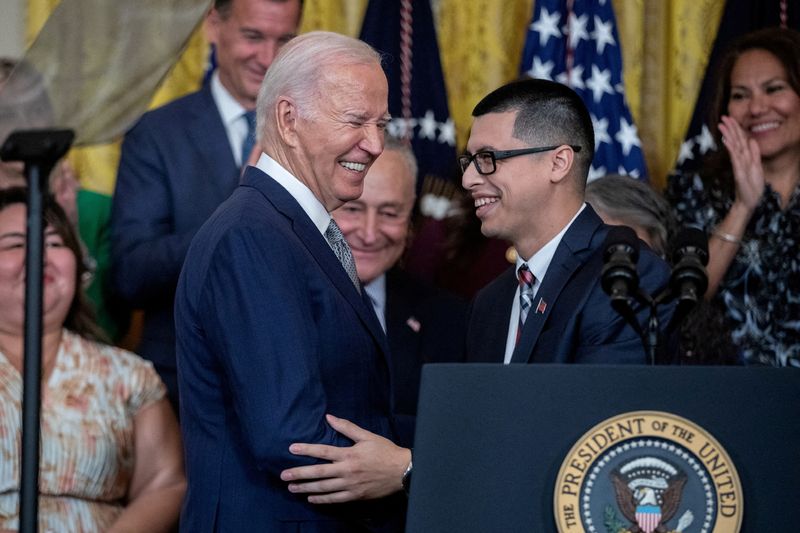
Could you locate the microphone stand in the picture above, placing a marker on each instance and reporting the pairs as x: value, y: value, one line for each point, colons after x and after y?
x: 39, y: 150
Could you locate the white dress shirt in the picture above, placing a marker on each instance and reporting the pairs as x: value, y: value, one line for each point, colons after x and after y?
x: 376, y: 290
x: 538, y: 265
x: 232, y: 114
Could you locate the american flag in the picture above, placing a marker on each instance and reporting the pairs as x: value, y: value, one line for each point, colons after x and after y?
x: 575, y: 42
x: 404, y: 30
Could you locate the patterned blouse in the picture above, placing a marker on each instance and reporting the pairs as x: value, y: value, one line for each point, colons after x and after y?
x: 760, y: 292
x: 87, y: 444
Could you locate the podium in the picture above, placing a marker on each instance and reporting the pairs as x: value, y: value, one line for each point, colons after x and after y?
x: 541, y: 448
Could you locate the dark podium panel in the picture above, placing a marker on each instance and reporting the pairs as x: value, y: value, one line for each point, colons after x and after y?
x: 490, y: 439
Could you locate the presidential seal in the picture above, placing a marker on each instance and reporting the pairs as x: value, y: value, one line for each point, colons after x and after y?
x: 646, y: 472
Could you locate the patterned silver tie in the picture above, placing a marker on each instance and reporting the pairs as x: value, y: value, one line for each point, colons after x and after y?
x: 342, y: 250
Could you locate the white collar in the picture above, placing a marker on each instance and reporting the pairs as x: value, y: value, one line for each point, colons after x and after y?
x: 229, y: 109
x: 540, y: 262
x: 299, y: 191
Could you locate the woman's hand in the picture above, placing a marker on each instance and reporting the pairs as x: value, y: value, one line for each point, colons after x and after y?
x: 748, y: 173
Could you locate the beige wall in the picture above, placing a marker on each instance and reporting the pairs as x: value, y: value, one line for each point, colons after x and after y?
x: 12, y: 27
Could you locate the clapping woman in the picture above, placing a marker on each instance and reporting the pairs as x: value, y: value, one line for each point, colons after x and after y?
x: 748, y: 196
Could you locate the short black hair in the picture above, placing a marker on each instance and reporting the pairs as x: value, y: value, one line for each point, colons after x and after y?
x: 548, y: 113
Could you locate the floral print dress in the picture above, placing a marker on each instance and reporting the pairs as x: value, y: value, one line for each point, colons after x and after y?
x: 87, y: 441
x: 760, y: 293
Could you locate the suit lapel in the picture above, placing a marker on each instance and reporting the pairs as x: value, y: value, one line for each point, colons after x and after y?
x: 400, y: 315
x: 317, y: 246
x: 572, y: 252
x: 209, y: 136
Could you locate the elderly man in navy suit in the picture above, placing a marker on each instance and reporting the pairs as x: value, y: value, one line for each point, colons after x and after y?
x: 526, y: 166
x: 180, y: 161
x: 277, y: 344
x: 423, y: 323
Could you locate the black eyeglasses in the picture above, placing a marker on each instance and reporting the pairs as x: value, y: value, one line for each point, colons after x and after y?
x: 485, y: 159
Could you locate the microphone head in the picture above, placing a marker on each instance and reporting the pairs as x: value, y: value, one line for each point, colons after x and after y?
x: 690, y: 241
x: 621, y: 238
x: 619, y: 277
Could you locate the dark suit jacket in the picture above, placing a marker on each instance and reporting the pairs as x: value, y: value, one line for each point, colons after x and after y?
x: 175, y: 169
x: 271, y: 336
x: 424, y: 325
x: 578, y: 324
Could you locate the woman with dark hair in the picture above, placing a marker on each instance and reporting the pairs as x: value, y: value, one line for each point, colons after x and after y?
x: 110, y: 446
x: 748, y: 196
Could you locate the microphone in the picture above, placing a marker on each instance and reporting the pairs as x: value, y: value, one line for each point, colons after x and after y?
x: 689, y: 280
x: 619, y: 278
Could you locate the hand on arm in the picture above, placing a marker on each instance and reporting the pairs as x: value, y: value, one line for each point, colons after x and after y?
x: 748, y: 175
x: 158, y: 483
x: 372, y: 468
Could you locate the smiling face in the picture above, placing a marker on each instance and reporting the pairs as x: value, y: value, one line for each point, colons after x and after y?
x: 248, y: 35
x: 339, y: 138
x: 59, y: 273
x: 511, y: 202
x: 376, y: 225
x: 764, y: 103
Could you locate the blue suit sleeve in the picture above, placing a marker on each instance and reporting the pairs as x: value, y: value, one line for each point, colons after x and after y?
x: 147, y: 252
x: 259, y: 315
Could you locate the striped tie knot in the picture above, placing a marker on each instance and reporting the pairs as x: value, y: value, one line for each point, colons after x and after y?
x: 526, y: 279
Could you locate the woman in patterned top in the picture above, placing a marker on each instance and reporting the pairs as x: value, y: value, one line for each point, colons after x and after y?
x: 110, y: 447
x: 748, y: 196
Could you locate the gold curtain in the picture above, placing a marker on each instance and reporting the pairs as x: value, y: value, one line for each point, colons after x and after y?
x: 665, y: 70
x: 665, y: 48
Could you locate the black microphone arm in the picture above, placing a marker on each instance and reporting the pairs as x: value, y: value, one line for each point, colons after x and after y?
x: 689, y: 279
x: 619, y: 277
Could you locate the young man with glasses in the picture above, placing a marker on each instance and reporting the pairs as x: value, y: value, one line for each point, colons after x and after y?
x: 526, y: 167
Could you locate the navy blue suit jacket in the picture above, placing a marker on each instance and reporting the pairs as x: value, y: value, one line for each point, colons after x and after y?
x: 271, y: 336
x: 424, y: 324
x: 577, y: 323
x: 175, y: 169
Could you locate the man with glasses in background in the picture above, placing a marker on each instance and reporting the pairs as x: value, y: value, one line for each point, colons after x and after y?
x: 526, y: 166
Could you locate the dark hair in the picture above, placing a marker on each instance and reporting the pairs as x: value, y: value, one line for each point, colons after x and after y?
x: 223, y: 7
x: 784, y: 44
x: 636, y: 204
x: 80, y: 317
x: 548, y: 113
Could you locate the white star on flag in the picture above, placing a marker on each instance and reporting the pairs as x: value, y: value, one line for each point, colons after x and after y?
x: 627, y: 136
x: 447, y: 132
x: 574, y: 79
x: 586, y: 56
x: 686, y: 152
x: 576, y: 29
x: 602, y: 34
x: 599, y: 83
x: 547, y: 26
x: 705, y: 141
x: 427, y: 126
x: 541, y: 70
x: 600, y: 131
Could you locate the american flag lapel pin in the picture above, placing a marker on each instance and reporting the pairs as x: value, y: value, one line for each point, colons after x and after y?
x: 541, y: 307
x: 414, y: 324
